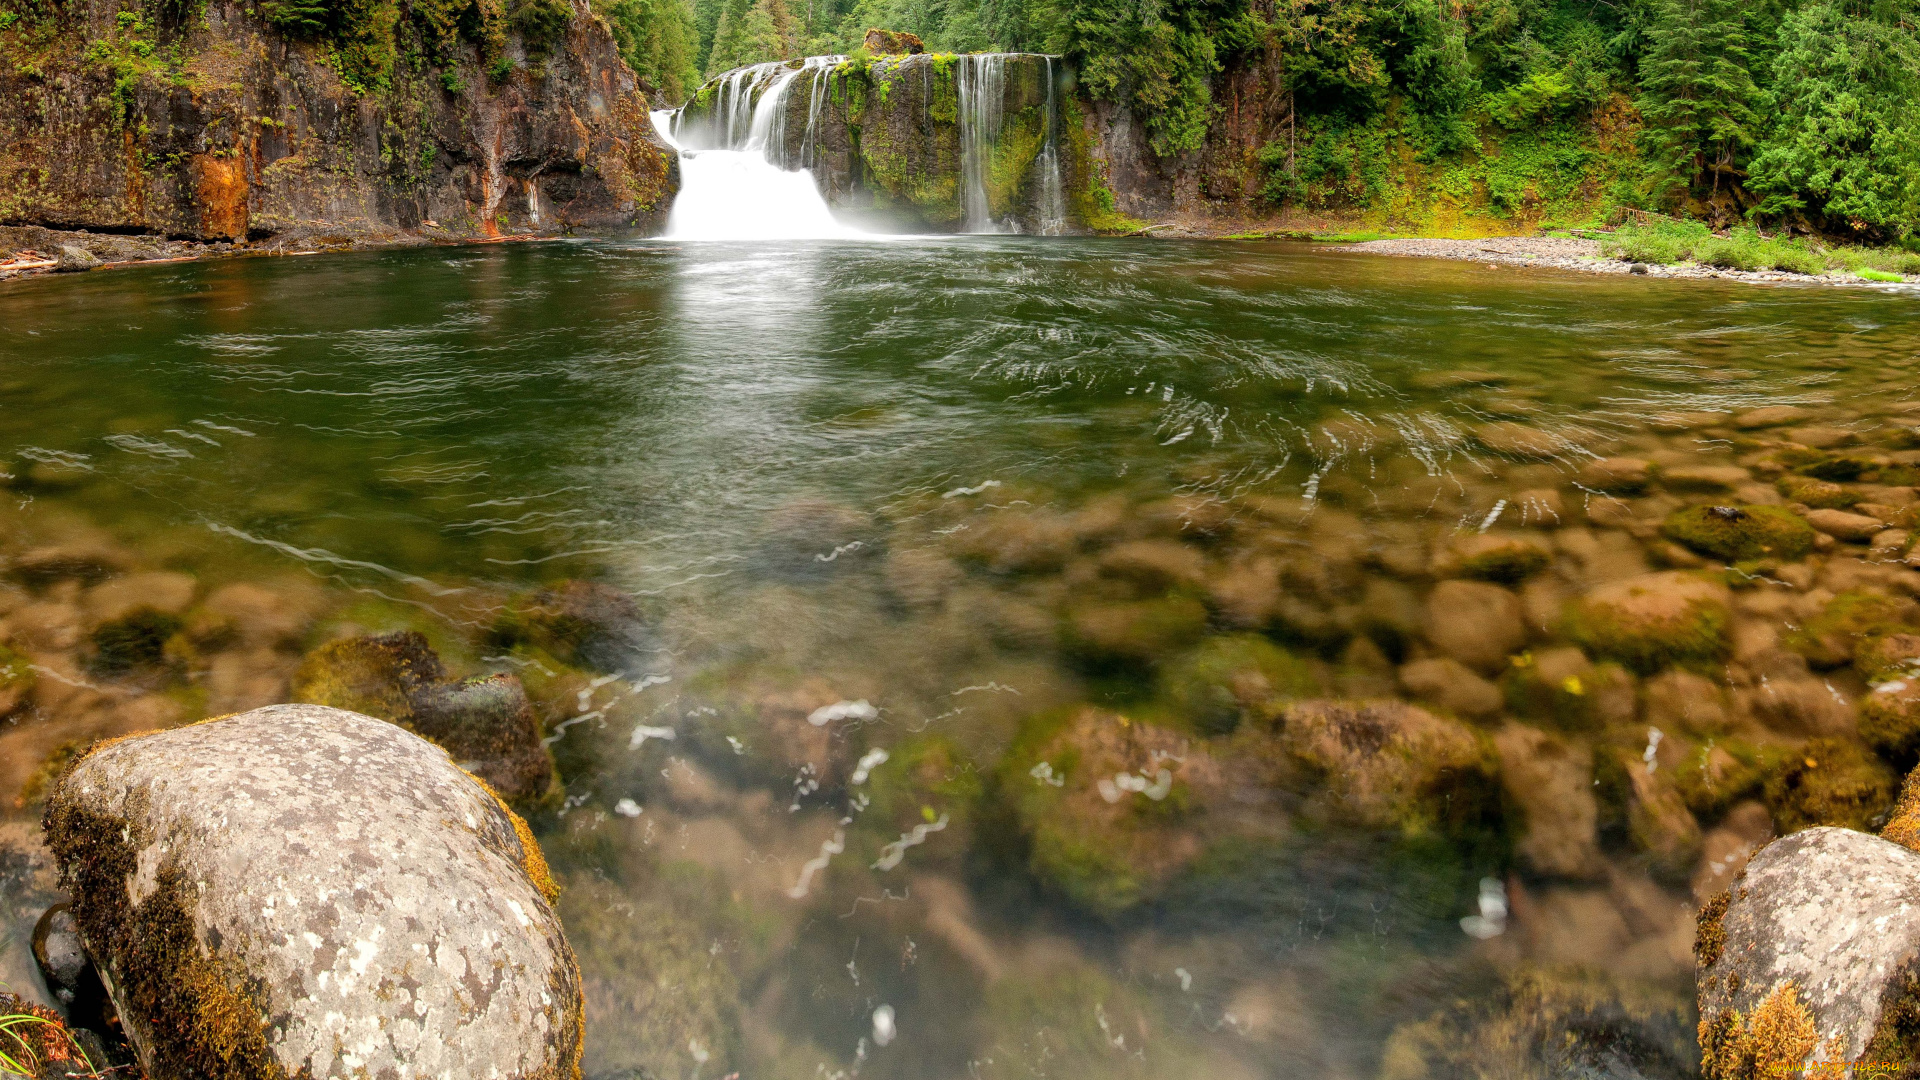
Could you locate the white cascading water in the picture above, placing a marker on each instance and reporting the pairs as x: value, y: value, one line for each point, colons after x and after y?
x: 983, y: 95
x: 736, y: 188
x: 738, y: 182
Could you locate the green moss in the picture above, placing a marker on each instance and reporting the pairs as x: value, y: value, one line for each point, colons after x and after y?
x: 1890, y: 723
x: 1505, y: 563
x: 1696, y: 639
x: 1815, y: 493
x: 1828, y: 781
x: 1213, y: 687
x: 1131, y: 635
x: 1104, y: 856
x: 34, y: 791
x: 1851, y: 621
x: 1732, y: 534
x: 196, y: 1008
x: 1567, y: 702
x: 1721, y: 772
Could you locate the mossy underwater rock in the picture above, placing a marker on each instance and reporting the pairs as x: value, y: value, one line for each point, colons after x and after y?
x: 1828, y: 781
x: 305, y: 891
x: 1740, y: 533
x: 1105, y: 802
x: 1652, y: 621
x: 1214, y: 686
x: 1788, y: 975
x: 1394, y: 767
x: 486, y: 723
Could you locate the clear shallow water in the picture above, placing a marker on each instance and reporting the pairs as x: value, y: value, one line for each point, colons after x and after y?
x: 894, y: 473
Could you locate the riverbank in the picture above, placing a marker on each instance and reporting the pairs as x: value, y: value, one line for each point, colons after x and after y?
x: 1569, y: 253
x: 30, y: 251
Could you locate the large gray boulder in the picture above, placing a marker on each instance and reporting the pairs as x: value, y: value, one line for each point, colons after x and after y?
x: 306, y: 891
x: 1812, y: 956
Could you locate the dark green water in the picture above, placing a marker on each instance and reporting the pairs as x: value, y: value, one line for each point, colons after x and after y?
x: 889, y: 473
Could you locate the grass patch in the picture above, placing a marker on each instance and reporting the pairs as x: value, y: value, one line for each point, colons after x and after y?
x: 1744, y: 248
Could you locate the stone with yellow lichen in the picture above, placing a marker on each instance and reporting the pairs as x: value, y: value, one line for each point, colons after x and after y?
x: 305, y: 891
x: 1811, y: 957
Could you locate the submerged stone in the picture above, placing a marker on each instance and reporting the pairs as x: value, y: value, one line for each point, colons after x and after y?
x: 1105, y: 802
x: 1828, y: 781
x: 1552, y: 783
x: 1815, y: 493
x: 1476, y: 623
x: 1652, y: 621
x: 1388, y: 765
x: 486, y: 722
x: 305, y: 891
x: 1790, y: 980
x: 1739, y: 533
x: 1218, y: 683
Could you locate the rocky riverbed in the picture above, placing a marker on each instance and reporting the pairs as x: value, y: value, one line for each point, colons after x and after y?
x: 1409, y: 733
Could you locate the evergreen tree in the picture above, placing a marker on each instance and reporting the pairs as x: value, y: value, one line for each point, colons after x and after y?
x: 657, y: 38
x: 1846, y: 142
x: 749, y: 32
x: 1699, y: 100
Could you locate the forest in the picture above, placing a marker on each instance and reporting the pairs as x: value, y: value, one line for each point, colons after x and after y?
x: 1795, y: 114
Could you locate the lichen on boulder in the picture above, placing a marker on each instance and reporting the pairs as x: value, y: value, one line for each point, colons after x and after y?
x: 1788, y: 975
x: 304, y: 891
x: 1739, y: 533
x: 486, y: 722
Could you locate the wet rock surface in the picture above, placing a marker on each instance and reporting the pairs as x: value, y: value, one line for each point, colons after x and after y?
x: 305, y: 891
x: 485, y: 722
x: 530, y: 148
x: 1812, y: 957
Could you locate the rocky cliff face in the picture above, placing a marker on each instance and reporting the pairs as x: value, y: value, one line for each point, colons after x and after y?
x: 211, y: 123
x: 1220, y: 182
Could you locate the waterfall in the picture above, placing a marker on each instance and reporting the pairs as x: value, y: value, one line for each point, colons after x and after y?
x: 1053, y: 199
x: 983, y: 99
x: 733, y: 181
x: 743, y: 177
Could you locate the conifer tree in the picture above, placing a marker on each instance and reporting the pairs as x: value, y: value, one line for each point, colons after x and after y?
x: 1698, y: 99
x: 1845, y: 145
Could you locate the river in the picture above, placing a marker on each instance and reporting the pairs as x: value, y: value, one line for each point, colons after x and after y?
x: 1046, y: 521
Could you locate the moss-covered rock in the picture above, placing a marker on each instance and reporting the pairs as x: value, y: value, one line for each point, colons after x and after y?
x: 1652, y: 622
x: 1387, y: 765
x: 485, y: 722
x: 1739, y: 533
x: 1719, y: 773
x: 17, y: 679
x: 1657, y: 821
x: 1542, y: 1023
x: 1903, y: 826
x: 1890, y: 720
x: 1561, y: 688
x: 1829, y: 781
x: 581, y: 623
x: 1505, y: 558
x: 1212, y: 687
x: 1131, y: 634
x: 1815, y: 493
x: 1107, y: 805
x: 1851, y: 621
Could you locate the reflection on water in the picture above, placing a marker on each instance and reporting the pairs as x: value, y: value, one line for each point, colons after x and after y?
x: 1026, y: 628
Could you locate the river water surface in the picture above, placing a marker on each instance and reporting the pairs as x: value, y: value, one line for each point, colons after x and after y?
x: 1029, y: 516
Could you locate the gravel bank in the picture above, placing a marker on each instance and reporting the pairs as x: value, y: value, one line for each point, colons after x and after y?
x: 1568, y: 254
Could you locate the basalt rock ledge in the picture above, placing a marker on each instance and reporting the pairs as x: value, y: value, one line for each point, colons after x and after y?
x: 215, y: 122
